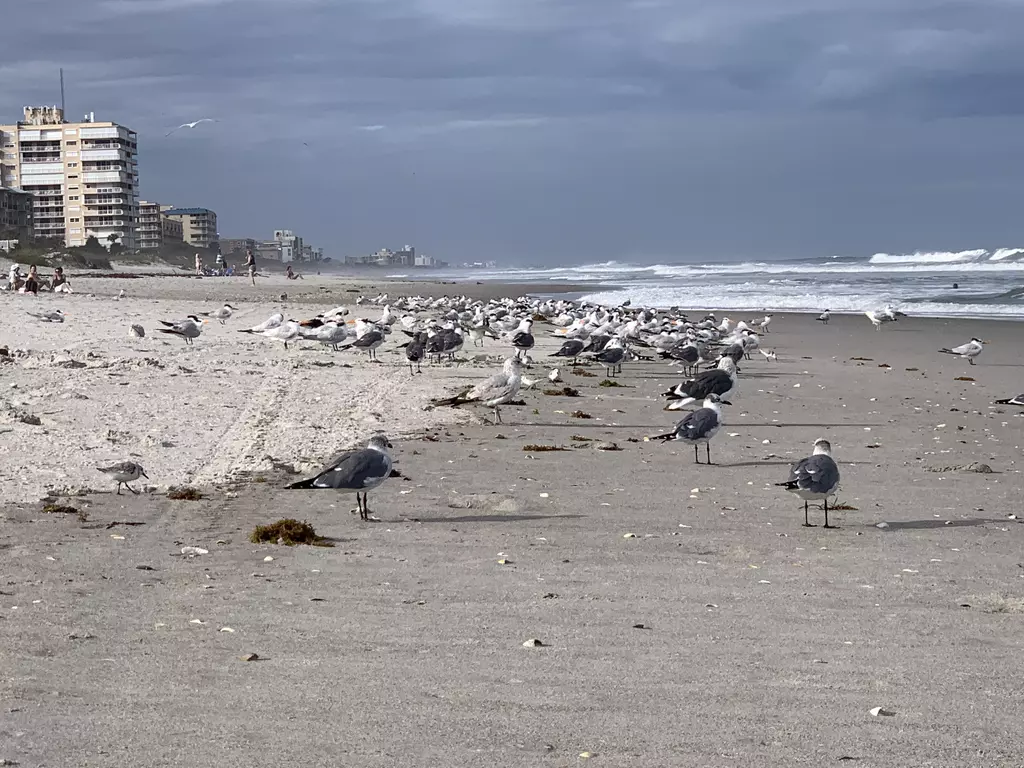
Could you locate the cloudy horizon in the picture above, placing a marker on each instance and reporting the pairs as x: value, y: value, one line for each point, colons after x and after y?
x: 556, y: 130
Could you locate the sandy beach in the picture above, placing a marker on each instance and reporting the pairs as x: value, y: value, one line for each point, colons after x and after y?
x: 686, y: 617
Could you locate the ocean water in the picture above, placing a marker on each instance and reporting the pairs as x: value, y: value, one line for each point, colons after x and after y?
x: 991, y: 283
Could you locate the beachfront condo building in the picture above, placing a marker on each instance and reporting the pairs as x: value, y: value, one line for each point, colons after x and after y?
x: 199, y: 225
x: 15, y: 215
x: 156, y: 229
x: 83, y: 176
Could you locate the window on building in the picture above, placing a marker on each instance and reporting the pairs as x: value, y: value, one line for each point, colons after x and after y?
x: 75, y: 221
x: 70, y: 143
x: 72, y: 165
x: 72, y: 197
x: 72, y: 177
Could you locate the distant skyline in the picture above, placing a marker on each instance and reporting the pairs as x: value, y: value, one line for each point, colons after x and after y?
x: 556, y: 131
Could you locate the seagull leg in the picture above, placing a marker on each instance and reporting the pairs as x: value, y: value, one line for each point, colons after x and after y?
x: 696, y: 455
x: 497, y: 415
x: 118, y: 487
x: 707, y: 445
x: 807, y: 523
x: 826, y: 516
x: 366, y: 506
x: 131, y: 489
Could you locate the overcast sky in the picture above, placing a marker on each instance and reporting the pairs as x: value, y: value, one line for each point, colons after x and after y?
x: 557, y: 130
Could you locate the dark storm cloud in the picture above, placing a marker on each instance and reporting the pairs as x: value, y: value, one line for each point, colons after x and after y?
x: 536, y: 128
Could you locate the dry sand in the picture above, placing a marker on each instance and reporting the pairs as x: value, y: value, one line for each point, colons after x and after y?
x: 763, y: 643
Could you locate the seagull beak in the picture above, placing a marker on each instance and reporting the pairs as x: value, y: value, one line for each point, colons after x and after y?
x: 725, y: 402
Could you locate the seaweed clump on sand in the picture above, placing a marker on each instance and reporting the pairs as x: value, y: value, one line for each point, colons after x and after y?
x: 535, y: 448
x: 184, y: 493
x: 584, y: 374
x: 288, y: 532
x: 563, y: 392
x: 581, y: 415
x: 609, y: 383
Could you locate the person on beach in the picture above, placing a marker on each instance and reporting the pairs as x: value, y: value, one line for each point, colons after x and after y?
x: 220, y: 264
x: 292, y: 275
x: 250, y: 264
x: 32, y: 281
x: 59, y: 284
x: 14, y: 277
x: 199, y: 265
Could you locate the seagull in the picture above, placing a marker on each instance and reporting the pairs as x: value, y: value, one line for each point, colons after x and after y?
x: 56, y: 316
x: 967, y: 351
x: 825, y: 316
x: 769, y: 355
x: 360, y: 470
x: 1018, y: 400
x: 522, y: 339
x: 414, y: 352
x: 498, y: 390
x: 814, y: 478
x: 698, y: 427
x: 124, y: 472
x: 719, y: 381
x: 191, y: 125
x: 271, y: 322
x: 611, y: 356
x: 188, y: 329
x: 221, y: 314
x: 555, y: 376
x: 764, y: 323
x: 570, y: 348
x: 287, y: 331
x: 368, y: 342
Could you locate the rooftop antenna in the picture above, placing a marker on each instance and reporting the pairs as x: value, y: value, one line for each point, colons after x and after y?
x: 62, y: 91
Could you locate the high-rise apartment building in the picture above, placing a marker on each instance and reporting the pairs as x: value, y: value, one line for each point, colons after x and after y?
x: 156, y: 228
x: 199, y: 225
x: 291, y: 244
x: 15, y: 214
x: 84, y: 176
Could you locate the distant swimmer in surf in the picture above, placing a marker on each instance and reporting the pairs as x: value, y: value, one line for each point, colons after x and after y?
x: 956, y: 285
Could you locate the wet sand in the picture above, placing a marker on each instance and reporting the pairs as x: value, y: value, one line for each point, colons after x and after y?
x: 763, y: 643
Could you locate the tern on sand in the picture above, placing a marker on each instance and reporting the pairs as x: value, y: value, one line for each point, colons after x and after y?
x: 967, y: 351
x: 187, y: 329
x: 221, y: 314
x: 1018, y: 400
x: 124, y: 472
x: 494, y: 392
x: 814, y: 478
x: 698, y: 427
x: 359, y: 471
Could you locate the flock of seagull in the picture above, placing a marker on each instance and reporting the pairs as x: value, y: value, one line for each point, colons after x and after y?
x: 709, y: 351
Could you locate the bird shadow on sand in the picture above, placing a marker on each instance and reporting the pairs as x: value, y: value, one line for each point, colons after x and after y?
x: 781, y: 463
x: 489, y: 518
x: 801, y: 424
x: 927, y: 525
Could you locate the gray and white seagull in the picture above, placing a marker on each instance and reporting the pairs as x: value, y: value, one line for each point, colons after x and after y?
x: 193, y: 124
x: 493, y: 392
x: 356, y: 471
x: 698, y: 427
x: 814, y: 478
x: 967, y: 351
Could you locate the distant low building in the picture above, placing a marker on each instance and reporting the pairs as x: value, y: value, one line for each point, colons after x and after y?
x: 269, y: 249
x: 405, y: 256
x: 199, y: 225
x: 237, y: 245
x: 15, y: 214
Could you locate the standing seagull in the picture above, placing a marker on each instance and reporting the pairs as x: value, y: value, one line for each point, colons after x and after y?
x: 498, y: 390
x: 522, y: 339
x: 814, y: 478
x: 188, y: 329
x: 570, y: 348
x: 414, y: 352
x: 124, y: 472
x: 221, y: 314
x: 361, y: 470
x: 192, y: 125
x: 719, y: 381
x: 368, y: 342
x: 699, y: 427
x: 825, y: 316
x: 967, y: 351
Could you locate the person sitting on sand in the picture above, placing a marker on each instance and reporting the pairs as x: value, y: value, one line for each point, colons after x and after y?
x: 14, y: 277
x: 32, y: 281
x: 292, y: 275
x: 59, y: 284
